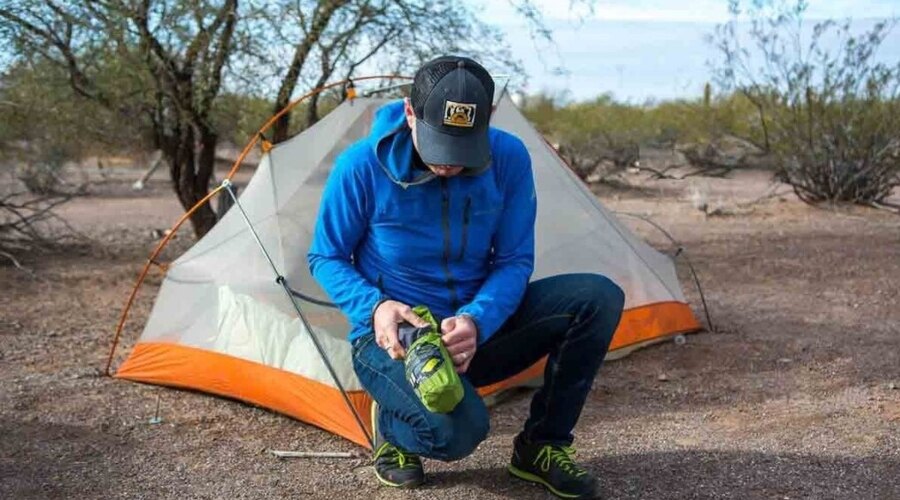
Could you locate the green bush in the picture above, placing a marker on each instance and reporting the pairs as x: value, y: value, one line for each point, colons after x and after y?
x: 604, y: 136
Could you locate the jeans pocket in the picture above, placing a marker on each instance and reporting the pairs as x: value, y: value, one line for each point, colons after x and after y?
x: 360, y: 343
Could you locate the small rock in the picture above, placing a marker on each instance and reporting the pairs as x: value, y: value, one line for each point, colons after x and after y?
x: 785, y: 360
x: 663, y: 377
x: 892, y: 386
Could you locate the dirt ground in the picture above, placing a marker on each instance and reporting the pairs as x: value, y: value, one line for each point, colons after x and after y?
x: 795, y: 395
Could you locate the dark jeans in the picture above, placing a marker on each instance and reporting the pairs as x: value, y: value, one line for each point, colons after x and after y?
x: 570, y: 317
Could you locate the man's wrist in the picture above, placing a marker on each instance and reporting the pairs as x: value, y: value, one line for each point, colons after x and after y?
x: 382, y: 300
x: 470, y: 318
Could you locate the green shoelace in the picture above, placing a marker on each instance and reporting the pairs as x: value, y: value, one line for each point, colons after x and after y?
x: 561, y: 456
x: 403, y: 459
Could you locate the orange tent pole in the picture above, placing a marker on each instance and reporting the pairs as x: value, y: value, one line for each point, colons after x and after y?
x: 234, y: 168
x: 291, y: 106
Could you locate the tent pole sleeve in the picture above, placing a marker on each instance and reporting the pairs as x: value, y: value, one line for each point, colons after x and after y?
x: 282, y: 281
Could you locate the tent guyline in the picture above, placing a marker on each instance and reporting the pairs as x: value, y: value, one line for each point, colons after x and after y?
x: 255, y: 139
x: 680, y: 250
x: 282, y: 281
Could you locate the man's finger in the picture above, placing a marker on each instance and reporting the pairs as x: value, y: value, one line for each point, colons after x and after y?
x: 462, y: 357
x: 396, y: 351
x: 392, y: 342
x: 455, y: 337
x: 412, y: 318
x: 448, y: 324
x: 460, y: 347
x: 463, y: 367
x: 383, y: 336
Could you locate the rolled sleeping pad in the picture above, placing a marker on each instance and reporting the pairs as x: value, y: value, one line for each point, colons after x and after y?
x: 429, y: 367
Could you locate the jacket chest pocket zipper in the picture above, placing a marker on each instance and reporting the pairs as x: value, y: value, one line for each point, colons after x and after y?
x: 465, y: 228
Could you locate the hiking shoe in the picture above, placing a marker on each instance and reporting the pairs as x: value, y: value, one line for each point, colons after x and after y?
x: 393, y: 466
x: 551, y: 466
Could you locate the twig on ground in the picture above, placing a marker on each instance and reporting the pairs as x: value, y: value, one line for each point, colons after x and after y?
x: 659, y: 174
x: 78, y: 234
x: 26, y: 225
x: 890, y: 207
x: 745, y: 207
x: 772, y: 192
x: 16, y: 263
x: 711, y: 171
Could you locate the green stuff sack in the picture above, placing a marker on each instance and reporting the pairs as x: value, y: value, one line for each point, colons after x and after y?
x: 429, y: 368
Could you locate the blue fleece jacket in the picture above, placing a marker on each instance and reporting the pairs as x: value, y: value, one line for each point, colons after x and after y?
x: 387, y: 229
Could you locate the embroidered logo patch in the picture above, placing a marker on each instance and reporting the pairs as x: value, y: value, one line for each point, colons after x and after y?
x: 459, y: 114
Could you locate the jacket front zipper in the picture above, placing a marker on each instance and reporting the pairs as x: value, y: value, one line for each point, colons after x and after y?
x: 465, y: 228
x: 445, y: 224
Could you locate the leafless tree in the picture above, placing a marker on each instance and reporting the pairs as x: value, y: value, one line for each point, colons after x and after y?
x: 176, y: 52
x: 600, y: 157
x: 336, y: 37
x: 28, y: 223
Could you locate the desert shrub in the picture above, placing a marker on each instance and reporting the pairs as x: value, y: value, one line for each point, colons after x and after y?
x: 44, y: 125
x: 596, y: 138
x: 41, y: 172
x: 831, y: 117
x: 600, y: 138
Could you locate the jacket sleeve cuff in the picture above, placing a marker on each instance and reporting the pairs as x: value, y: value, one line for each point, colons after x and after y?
x: 476, y: 318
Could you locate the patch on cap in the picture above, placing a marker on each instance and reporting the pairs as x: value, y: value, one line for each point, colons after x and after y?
x: 459, y: 114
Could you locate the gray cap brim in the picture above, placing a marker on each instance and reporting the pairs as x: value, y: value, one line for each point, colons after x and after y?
x: 472, y: 150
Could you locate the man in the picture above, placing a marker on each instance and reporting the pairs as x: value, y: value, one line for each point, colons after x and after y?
x: 437, y: 208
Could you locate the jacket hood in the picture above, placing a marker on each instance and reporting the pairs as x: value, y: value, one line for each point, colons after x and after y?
x: 392, y: 142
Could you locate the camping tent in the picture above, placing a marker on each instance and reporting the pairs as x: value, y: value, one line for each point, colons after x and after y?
x: 221, y: 324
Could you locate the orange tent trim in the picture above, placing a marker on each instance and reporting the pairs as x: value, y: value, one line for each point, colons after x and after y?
x: 322, y: 405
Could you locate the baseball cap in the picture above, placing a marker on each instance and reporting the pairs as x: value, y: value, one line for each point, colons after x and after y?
x: 452, y: 98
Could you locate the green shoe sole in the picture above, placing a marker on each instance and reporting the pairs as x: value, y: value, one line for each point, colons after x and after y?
x: 527, y: 476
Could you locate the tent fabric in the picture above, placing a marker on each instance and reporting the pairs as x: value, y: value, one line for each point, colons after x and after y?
x: 221, y: 324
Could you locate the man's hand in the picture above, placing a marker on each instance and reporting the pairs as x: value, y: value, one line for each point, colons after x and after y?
x: 388, y: 315
x: 460, y: 336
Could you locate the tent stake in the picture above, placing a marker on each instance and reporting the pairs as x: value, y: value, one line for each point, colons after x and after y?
x: 281, y: 280
x: 313, y: 454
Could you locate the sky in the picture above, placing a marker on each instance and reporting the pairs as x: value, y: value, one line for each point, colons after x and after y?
x: 644, y: 49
